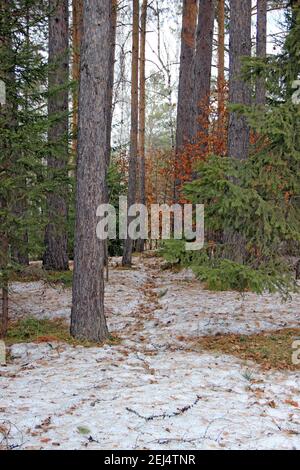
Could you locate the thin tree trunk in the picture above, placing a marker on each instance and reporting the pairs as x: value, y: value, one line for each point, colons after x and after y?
x: 19, y: 247
x: 221, y: 64
x: 239, y: 90
x: 128, y: 244
x: 56, y: 249
x: 7, y: 114
x: 201, y: 76
x: 87, y: 318
x: 3, y: 267
x: 142, y: 113
x: 76, y: 41
x: 188, y: 43
x: 261, y: 48
x: 110, y: 92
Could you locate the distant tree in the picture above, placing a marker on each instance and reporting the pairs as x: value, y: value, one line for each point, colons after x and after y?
x: 142, y: 113
x: 261, y: 48
x: 239, y: 90
x: 201, y: 73
x: 221, y: 63
x: 76, y: 42
x: 131, y: 199
x: 188, y: 43
x: 7, y: 119
x: 56, y: 249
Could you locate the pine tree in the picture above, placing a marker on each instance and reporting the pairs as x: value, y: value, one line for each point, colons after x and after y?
x: 133, y: 152
x: 261, y: 48
x: 87, y: 318
x: 23, y: 126
x: 201, y: 71
x: 239, y: 90
x: 56, y: 243
x: 142, y: 115
x: 188, y: 44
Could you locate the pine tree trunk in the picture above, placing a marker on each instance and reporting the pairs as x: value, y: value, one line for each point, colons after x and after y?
x: 201, y: 75
x: 19, y: 247
x: 88, y: 319
x: 142, y: 114
x: 221, y: 65
x: 261, y: 49
x: 7, y: 114
x: 188, y: 43
x: 110, y: 94
x: 56, y: 249
x: 131, y: 199
x: 76, y: 41
x: 111, y: 77
x: 239, y: 90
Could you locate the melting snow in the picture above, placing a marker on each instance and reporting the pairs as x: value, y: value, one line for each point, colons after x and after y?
x: 151, y: 391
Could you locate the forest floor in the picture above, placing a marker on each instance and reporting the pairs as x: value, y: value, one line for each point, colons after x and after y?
x: 159, y: 386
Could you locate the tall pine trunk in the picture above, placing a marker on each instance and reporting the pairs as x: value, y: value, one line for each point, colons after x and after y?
x: 110, y: 92
x: 56, y: 246
x: 131, y: 199
x: 19, y: 246
x: 142, y: 114
x: 7, y: 120
x: 221, y: 65
x: 239, y: 90
x: 261, y: 49
x: 87, y: 318
x: 201, y: 77
x: 77, y: 6
x: 188, y: 43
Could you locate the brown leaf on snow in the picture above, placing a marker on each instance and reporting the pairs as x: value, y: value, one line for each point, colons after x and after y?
x: 292, y: 403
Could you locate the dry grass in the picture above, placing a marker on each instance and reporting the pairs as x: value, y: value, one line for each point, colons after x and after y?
x: 272, y: 350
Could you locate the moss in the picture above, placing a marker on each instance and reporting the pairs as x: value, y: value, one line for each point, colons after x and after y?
x: 32, y: 330
x: 34, y: 273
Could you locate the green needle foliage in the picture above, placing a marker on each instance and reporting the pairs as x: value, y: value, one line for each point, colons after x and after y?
x: 252, y: 207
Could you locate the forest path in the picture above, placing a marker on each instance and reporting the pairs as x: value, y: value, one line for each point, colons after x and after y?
x: 153, y: 390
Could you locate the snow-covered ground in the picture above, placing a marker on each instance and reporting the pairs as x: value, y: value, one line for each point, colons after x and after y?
x: 153, y: 390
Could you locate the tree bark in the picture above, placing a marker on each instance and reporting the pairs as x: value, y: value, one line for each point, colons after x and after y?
x: 239, y: 90
x: 131, y: 199
x: 7, y: 117
x: 261, y: 49
x: 87, y: 318
x: 201, y: 76
x: 56, y: 249
x: 110, y: 92
x: 142, y: 114
x: 221, y: 64
x: 76, y: 40
x: 19, y: 247
x: 188, y: 44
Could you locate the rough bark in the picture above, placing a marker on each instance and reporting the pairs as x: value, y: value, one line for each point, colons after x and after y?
x: 87, y: 318
x: 221, y: 64
x: 142, y: 114
x: 131, y: 199
x: 201, y: 74
x: 110, y: 93
x: 188, y: 43
x: 56, y: 250
x: 77, y: 7
x: 19, y: 247
x: 261, y: 49
x: 6, y: 114
x: 113, y: 28
x: 239, y: 90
